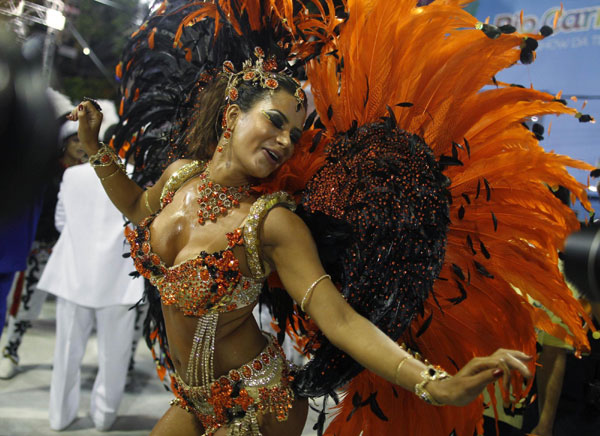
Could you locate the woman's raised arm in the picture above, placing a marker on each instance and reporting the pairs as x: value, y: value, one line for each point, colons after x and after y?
x: 132, y: 200
x: 290, y: 249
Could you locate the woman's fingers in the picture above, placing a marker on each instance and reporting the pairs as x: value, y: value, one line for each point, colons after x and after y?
x: 90, y: 119
x: 518, y: 364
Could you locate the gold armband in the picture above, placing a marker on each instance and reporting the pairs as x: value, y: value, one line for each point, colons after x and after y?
x: 311, y: 288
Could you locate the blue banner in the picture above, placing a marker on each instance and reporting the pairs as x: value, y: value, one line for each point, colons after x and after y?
x: 567, y: 61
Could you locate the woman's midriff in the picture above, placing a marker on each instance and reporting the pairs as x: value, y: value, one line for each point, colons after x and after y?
x: 238, y: 339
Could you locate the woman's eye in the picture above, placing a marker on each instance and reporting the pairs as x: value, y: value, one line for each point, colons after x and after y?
x: 274, y: 118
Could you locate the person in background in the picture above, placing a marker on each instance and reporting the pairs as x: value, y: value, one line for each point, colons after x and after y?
x: 91, y: 280
x: 27, y: 299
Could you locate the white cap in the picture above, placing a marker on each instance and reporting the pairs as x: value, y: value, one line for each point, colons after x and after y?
x: 69, y: 128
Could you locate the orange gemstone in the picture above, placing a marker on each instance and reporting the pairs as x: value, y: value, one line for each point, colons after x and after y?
x: 204, y: 275
x: 246, y: 371
x: 257, y: 365
x: 145, y: 248
x: 155, y: 259
x: 235, y: 376
x: 265, y: 358
x: 271, y: 83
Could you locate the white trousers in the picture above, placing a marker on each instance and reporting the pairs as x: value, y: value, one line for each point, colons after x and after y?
x: 74, y: 323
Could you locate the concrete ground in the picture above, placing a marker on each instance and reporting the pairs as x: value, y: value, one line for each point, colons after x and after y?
x: 24, y: 398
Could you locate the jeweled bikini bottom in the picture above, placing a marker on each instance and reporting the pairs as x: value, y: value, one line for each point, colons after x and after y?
x: 235, y: 400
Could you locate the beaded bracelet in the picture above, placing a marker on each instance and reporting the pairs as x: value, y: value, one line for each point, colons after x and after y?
x: 431, y: 373
x: 104, y: 157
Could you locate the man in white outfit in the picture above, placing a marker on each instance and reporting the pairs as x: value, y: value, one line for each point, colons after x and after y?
x: 90, y: 278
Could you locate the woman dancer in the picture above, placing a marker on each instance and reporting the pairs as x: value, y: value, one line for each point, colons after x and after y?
x: 213, y: 338
x: 244, y: 123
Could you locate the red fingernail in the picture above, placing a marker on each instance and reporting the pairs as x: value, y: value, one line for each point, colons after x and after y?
x: 80, y: 107
x: 498, y: 373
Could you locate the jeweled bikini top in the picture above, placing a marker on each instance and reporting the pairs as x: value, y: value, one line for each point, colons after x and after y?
x: 210, y: 282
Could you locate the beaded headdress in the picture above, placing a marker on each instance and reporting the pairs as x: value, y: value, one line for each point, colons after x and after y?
x: 261, y: 72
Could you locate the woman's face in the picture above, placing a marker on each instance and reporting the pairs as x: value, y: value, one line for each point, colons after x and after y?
x: 264, y: 137
x: 74, y: 149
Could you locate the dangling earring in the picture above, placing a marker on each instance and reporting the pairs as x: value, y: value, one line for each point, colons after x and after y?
x: 226, y: 137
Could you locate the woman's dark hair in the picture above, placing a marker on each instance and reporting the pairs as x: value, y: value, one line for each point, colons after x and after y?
x: 205, y: 127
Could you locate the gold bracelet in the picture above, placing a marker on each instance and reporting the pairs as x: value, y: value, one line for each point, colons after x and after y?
x: 147, y: 202
x: 118, y: 170
x: 431, y: 373
x: 402, y: 362
x: 104, y: 157
x: 311, y: 288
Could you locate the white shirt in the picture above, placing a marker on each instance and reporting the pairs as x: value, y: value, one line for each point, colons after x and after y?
x: 86, y: 266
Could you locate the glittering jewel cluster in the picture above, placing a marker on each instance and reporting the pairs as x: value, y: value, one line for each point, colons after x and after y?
x: 260, y: 72
x: 197, y: 286
x: 262, y: 385
x: 215, y: 200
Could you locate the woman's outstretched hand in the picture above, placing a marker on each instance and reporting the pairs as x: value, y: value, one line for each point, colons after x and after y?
x: 472, y: 379
x: 90, y: 119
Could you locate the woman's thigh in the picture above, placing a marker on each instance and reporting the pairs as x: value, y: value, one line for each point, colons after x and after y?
x: 177, y: 422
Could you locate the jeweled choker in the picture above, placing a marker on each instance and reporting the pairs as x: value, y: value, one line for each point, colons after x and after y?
x: 215, y: 200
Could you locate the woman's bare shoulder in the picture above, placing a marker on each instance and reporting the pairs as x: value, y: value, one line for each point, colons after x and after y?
x: 176, y: 165
x: 281, y: 225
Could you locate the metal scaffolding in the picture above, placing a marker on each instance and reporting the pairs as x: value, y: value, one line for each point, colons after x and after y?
x: 50, y: 14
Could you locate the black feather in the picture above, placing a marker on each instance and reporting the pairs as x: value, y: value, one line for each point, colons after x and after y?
x: 316, y: 140
x: 425, y: 325
x: 546, y: 31
x: 392, y: 118
x: 375, y: 407
x: 482, y: 270
x: 488, y: 191
x: 461, y: 297
x: 484, y: 251
x: 458, y: 271
x: 470, y: 244
x: 310, y: 119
